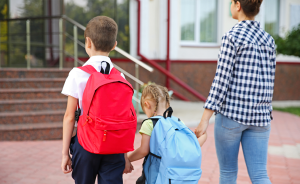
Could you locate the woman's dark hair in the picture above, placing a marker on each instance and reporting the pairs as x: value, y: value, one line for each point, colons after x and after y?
x: 250, y: 7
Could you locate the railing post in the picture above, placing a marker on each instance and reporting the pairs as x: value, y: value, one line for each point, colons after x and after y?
x: 0, y: 45
x: 75, y: 46
x: 137, y: 90
x: 28, y: 43
x: 61, y: 55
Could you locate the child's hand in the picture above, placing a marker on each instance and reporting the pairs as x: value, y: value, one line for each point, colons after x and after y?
x: 131, y: 167
x: 66, y: 164
x: 128, y: 166
x: 202, y: 139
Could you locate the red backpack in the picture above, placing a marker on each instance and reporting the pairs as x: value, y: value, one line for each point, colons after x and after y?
x: 108, y: 122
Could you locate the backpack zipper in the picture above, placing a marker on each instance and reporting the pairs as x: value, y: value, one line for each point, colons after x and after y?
x: 104, y: 136
x: 132, y: 112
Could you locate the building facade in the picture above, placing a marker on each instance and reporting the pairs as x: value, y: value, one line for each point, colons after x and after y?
x: 197, y: 26
x: 184, y: 36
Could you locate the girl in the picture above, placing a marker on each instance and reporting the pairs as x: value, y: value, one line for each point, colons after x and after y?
x: 154, y: 101
x: 241, y: 95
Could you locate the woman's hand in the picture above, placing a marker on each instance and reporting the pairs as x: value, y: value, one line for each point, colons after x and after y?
x: 201, y: 128
x: 66, y: 164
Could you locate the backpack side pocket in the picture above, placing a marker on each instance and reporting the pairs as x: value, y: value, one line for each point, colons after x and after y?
x: 151, y: 168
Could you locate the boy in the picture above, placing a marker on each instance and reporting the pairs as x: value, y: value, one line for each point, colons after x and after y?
x: 100, y: 38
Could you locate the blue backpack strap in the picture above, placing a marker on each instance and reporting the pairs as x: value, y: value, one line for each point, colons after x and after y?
x: 154, y: 121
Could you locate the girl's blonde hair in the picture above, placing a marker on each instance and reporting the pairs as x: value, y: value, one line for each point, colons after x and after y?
x: 157, y: 93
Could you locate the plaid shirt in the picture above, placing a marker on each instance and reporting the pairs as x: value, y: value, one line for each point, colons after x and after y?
x: 242, y: 89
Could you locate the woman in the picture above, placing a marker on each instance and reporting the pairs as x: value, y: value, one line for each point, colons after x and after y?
x: 241, y: 95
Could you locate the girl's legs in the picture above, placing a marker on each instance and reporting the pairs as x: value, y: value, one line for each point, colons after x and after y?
x: 228, y: 135
x: 255, y: 147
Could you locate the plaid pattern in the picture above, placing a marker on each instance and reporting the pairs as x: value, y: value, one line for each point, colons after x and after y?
x: 242, y: 89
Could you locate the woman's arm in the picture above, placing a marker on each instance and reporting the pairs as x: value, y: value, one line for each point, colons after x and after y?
x: 68, y: 126
x: 219, y: 87
x: 201, y: 128
x: 142, y: 151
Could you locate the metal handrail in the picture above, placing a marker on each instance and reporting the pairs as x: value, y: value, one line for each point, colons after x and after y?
x: 140, y: 63
x: 76, y: 42
x: 72, y: 38
x: 73, y: 22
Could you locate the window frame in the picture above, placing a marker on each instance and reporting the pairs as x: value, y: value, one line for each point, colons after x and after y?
x: 195, y: 43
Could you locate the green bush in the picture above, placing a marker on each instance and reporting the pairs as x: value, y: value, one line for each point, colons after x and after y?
x: 290, y: 45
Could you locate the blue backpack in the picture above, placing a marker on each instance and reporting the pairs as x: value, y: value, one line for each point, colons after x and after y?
x: 175, y: 153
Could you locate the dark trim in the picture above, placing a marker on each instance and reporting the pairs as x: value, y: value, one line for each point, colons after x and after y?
x: 288, y: 63
x: 169, y: 111
x: 31, y: 18
x: 154, y: 121
x: 154, y: 155
x: 168, y: 61
x: 201, y: 46
x: 50, y: 31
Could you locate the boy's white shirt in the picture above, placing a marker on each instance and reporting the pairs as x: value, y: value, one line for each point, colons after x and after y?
x: 76, y: 81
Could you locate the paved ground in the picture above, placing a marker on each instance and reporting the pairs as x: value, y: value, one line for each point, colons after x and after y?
x: 39, y: 161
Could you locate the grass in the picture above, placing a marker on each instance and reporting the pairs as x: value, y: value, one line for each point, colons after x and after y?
x: 292, y: 110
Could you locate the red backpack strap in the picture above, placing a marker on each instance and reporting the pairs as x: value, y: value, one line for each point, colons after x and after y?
x: 88, y: 69
x: 114, y: 71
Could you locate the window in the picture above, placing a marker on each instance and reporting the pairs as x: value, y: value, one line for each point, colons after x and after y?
x: 26, y: 8
x: 269, y: 16
x: 199, y: 21
x: 294, y: 16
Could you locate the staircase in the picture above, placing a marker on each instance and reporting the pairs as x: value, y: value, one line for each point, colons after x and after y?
x: 31, y: 105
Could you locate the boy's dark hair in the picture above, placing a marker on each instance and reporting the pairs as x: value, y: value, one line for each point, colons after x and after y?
x: 102, y: 31
x: 250, y: 7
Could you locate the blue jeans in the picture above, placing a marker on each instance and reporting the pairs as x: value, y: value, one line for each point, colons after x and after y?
x: 228, y: 136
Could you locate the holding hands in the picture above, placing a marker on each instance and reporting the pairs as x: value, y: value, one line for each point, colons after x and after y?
x: 128, y: 166
x: 201, y: 128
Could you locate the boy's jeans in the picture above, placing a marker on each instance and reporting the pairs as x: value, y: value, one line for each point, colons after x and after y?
x: 228, y: 136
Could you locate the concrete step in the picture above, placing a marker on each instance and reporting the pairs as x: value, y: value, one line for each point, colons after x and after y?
x: 32, y: 105
x: 31, y: 131
x: 6, y: 83
x: 10, y: 118
x: 30, y: 93
x: 34, y: 73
